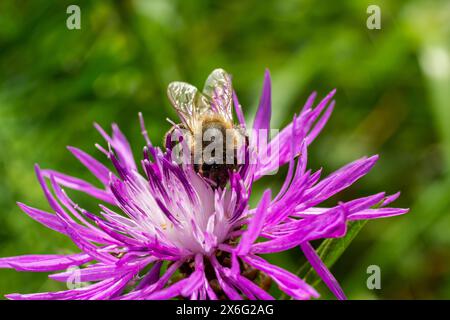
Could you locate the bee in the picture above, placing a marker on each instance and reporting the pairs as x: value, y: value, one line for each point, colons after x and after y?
x: 208, y: 128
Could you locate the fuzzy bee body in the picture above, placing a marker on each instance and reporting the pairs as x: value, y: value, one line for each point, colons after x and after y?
x: 207, y: 123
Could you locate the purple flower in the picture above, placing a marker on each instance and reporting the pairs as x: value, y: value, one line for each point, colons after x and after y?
x: 164, y: 231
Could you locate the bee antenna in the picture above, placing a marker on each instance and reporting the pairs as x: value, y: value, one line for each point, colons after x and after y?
x: 172, y: 123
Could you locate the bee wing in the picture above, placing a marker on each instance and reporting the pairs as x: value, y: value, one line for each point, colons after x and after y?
x: 188, y: 102
x: 218, y: 89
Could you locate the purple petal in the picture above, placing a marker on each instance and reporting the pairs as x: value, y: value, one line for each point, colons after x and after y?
x: 286, y: 236
x: 80, y: 185
x: 49, y: 220
x: 145, y: 292
x: 229, y: 290
x: 263, y: 114
x: 390, y: 199
x: 238, y: 109
x: 185, y: 287
x: 114, y: 289
x: 98, y: 169
x: 255, y: 290
x: 337, y: 181
x: 101, y: 290
x: 92, y: 273
x: 320, y: 124
x: 255, y: 225
x: 53, y: 222
x: 44, y: 263
x: 377, y: 213
x: 322, y: 270
x: 287, y: 282
x: 151, y: 277
x: 303, y: 125
x: 120, y: 145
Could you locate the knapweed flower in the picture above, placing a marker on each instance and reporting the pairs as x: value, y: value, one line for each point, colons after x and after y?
x: 166, y: 230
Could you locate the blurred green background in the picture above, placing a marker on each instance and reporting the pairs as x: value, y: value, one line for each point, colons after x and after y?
x: 393, y: 99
